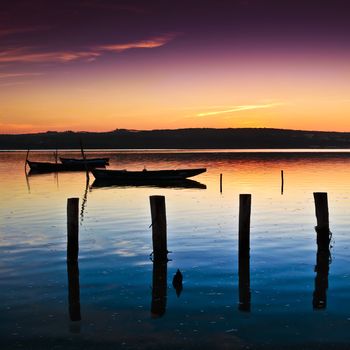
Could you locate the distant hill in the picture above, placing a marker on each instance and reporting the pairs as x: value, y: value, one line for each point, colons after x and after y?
x: 179, y: 138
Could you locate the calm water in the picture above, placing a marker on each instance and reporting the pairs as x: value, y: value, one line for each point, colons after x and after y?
x: 115, y: 271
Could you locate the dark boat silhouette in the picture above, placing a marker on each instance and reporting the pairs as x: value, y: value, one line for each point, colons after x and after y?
x: 46, y: 167
x: 89, y: 161
x: 146, y: 175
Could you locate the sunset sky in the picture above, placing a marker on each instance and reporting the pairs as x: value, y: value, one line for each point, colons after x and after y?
x: 98, y: 65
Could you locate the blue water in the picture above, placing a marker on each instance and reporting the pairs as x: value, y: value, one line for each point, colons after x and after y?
x: 115, y: 270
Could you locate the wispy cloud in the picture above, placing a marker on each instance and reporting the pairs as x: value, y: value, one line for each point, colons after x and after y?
x: 19, y: 75
x: 150, y: 43
x: 13, y: 83
x: 234, y: 109
x: 27, y: 56
x: 32, y: 55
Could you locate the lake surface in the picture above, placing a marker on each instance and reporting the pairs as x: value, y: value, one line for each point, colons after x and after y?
x: 116, y: 273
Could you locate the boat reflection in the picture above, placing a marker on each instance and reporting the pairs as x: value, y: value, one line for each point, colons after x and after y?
x: 149, y: 183
x: 73, y: 291
x: 159, y: 288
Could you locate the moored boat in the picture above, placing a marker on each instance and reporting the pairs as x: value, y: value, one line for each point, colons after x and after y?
x: 149, y: 175
x: 46, y: 167
x: 88, y: 161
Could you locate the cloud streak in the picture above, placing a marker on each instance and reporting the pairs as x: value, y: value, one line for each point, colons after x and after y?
x: 25, y: 55
x: 18, y: 75
x: 239, y: 109
x: 150, y: 43
x: 30, y: 55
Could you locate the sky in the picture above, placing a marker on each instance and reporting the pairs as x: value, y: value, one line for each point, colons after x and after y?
x: 100, y: 65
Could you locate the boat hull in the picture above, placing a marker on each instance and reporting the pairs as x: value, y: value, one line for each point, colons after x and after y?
x: 90, y: 161
x: 46, y: 167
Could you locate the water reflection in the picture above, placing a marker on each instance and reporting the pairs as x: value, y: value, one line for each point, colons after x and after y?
x: 84, y: 201
x: 200, y: 230
x: 149, y: 183
x: 27, y: 180
x: 323, y: 260
x: 177, y: 282
x: 73, y: 291
x: 159, y: 288
x: 244, y: 282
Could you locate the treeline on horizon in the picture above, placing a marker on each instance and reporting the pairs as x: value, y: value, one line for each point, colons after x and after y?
x: 245, y: 138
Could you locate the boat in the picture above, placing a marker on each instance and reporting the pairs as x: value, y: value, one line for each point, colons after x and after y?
x: 146, y: 175
x: 46, y: 167
x: 90, y: 161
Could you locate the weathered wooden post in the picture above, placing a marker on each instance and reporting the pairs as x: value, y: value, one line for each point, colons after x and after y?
x: 282, y: 181
x: 243, y: 251
x: 73, y: 291
x: 72, y: 229
x: 220, y: 183
x: 26, y: 161
x: 159, y: 288
x: 244, y: 224
x: 159, y: 229
x: 322, y: 216
x: 319, y: 300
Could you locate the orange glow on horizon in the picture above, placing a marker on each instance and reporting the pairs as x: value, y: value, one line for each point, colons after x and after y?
x: 175, y: 95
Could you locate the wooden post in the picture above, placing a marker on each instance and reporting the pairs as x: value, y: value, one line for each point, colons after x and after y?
x: 220, y: 183
x: 322, y: 216
x: 72, y: 229
x: 282, y: 181
x: 25, y: 164
x: 159, y: 229
x: 243, y: 253
x: 73, y: 291
x: 321, y: 207
x: 244, y: 223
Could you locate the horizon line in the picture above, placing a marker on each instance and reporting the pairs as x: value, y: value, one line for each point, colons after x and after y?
x: 165, y: 129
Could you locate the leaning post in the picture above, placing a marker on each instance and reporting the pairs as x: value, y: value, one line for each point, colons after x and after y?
x: 72, y: 229
x: 322, y: 216
x: 244, y: 223
x: 243, y: 251
x: 159, y: 229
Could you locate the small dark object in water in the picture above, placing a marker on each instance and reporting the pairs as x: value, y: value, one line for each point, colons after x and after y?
x: 177, y: 282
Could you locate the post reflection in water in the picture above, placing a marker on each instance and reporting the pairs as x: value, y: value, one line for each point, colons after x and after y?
x: 244, y: 283
x: 159, y: 288
x: 84, y: 201
x: 323, y: 260
x: 73, y: 291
